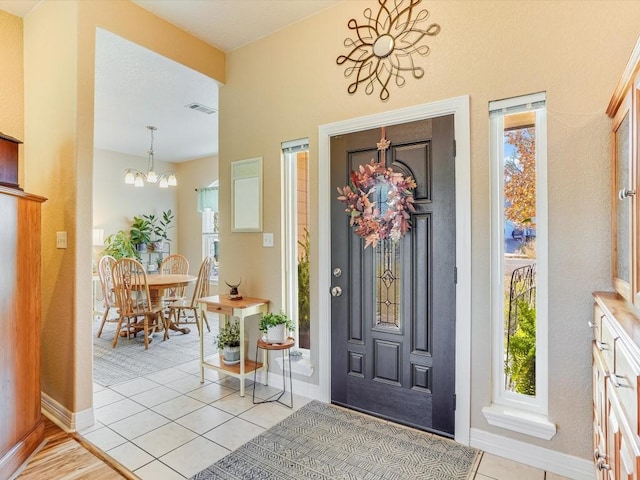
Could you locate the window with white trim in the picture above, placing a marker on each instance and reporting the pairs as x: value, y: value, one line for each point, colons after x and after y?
x: 208, y: 207
x: 518, y: 153
x: 296, y: 235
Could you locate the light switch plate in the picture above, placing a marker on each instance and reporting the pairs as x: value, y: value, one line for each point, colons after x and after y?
x: 61, y: 239
x: 267, y: 239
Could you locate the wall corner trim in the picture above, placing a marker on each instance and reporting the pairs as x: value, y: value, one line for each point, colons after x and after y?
x: 65, y: 419
x: 539, y: 457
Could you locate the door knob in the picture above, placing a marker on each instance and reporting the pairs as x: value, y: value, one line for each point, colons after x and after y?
x: 336, y: 291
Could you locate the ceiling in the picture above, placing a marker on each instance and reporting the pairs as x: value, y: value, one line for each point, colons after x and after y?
x: 136, y: 87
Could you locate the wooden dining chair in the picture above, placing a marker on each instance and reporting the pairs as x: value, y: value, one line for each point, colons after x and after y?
x: 105, y: 268
x: 186, y: 311
x: 177, y: 264
x: 134, y: 301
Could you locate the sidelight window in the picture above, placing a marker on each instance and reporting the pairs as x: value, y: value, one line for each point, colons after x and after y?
x: 519, y: 265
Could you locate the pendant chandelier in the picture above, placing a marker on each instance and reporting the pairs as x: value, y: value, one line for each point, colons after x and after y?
x: 137, y: 178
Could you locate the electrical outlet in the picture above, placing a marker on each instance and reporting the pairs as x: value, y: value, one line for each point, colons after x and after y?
x: 61, y: 239
x: 267, y: 239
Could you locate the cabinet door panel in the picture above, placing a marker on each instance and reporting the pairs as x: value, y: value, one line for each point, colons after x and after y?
x: 623, y: 206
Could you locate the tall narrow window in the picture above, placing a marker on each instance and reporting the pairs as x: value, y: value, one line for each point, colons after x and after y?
x: 208, y: 207
x: 519, y: 264
x: 297, y: 240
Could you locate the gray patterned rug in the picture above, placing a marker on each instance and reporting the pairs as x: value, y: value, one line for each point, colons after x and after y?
x: 321, y: 441
x: 130, y: 360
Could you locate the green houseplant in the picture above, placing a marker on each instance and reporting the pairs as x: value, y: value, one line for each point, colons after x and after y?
x: 140, y: 233
x: 228, y: 340
x: 276, y: 326
x: 119, y: 245
x: 160, y: 228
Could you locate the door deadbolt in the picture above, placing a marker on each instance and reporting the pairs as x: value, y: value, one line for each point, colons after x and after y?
x: 336, y: 291
x: 337, y: 272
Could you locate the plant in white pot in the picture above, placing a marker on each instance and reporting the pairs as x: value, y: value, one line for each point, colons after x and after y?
x: 228, y: 340
x: 276, y: 326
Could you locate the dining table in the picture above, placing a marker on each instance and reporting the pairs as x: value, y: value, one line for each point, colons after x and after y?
x: 159, y: 282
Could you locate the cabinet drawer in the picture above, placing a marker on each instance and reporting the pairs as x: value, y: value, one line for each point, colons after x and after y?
x: 220, y: 309
x: 624, y: 378
x: 607, y: 342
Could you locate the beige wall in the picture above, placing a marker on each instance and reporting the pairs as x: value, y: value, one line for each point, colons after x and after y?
x: 489, y: 50
x: 191, y: 175
x: 59, y: 56
x: 12, y: 82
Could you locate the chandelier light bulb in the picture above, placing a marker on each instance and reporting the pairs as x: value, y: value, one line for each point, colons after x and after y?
x: 152, y: 177
x: 173, y: 181
x: 129, y: 178
x: 163, y: 183
x: 139, y: 182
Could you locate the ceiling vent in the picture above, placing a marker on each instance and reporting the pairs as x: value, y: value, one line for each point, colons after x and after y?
x: 201, y: 108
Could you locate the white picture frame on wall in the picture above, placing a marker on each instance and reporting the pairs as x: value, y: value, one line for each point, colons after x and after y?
x: 246, y: 195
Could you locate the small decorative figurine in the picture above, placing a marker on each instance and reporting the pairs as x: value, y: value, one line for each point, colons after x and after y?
x: 233, y: 293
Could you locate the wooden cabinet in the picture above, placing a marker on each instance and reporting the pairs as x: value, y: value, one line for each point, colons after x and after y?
x: 616, y: 378
x: 624, y: 109
x: 21, y: 425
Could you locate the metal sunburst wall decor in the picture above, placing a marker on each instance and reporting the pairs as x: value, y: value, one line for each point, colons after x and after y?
x: 384, y: 46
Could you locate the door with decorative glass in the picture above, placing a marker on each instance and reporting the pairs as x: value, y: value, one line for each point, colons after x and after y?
x: 393, y: 303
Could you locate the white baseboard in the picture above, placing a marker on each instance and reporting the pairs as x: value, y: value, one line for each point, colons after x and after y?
x: 543, y: 458
x: 65, y: 419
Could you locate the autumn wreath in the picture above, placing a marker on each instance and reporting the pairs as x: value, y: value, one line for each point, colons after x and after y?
x: 379, y: 202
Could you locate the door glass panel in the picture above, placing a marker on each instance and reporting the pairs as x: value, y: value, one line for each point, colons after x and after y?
x: 387, y: 271
x: 623, y: 208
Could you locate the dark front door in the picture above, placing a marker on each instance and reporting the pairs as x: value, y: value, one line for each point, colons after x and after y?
x: 393, y: 324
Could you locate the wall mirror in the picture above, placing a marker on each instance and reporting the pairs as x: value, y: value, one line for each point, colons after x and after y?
x: 246, y: 195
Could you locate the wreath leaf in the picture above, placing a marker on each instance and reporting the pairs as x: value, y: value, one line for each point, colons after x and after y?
x: 365, y: 213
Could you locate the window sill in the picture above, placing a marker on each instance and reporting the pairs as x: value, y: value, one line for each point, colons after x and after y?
x: 301, y: 367
x: 521, y: 421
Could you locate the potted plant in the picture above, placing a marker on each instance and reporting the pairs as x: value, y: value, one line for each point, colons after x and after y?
x: 228, y: 340
x: 140, y: 233
x: 276, y: 326
x: 119, y: 245
x: 160, y: 228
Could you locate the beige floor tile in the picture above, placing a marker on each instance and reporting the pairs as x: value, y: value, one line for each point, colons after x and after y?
x: 133, y: 387
x: 204, y: 419
x: 97, y: 425
x: 210, y: 393
x: 503, y: 469
x: 234, y: 433
x: 97, y: 387
x: 115, y: 412
x: 155, y: 396
x: 194, y: 456
x: 234, y: 404
x: 130, y: 456
x: 106, y: 397
x: 178, y: 407
x: 187, y: 383
x: 138, y: 424
x: 192, y: 367
x: 104, y: 438
x: 157, y: 470
x: 479, y: 476
x: 267, y: 414
x: 165, y: 376
x: 265, y: 392
x: 164, y: 439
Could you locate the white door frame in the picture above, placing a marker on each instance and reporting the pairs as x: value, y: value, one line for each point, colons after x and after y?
x: 459, y: 107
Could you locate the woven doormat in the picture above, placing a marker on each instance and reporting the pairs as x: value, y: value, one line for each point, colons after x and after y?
x: 321, y: 441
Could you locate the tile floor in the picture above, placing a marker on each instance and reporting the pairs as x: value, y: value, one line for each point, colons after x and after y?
x: 168, y: 425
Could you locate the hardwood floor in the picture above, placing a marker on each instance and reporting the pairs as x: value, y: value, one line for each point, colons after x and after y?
x: 69, y: 457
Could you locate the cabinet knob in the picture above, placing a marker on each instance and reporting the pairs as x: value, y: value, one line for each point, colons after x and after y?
x: 602, y: 465
x: 601, y: 345
x: 626, y: 193
x: 597, y: 455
